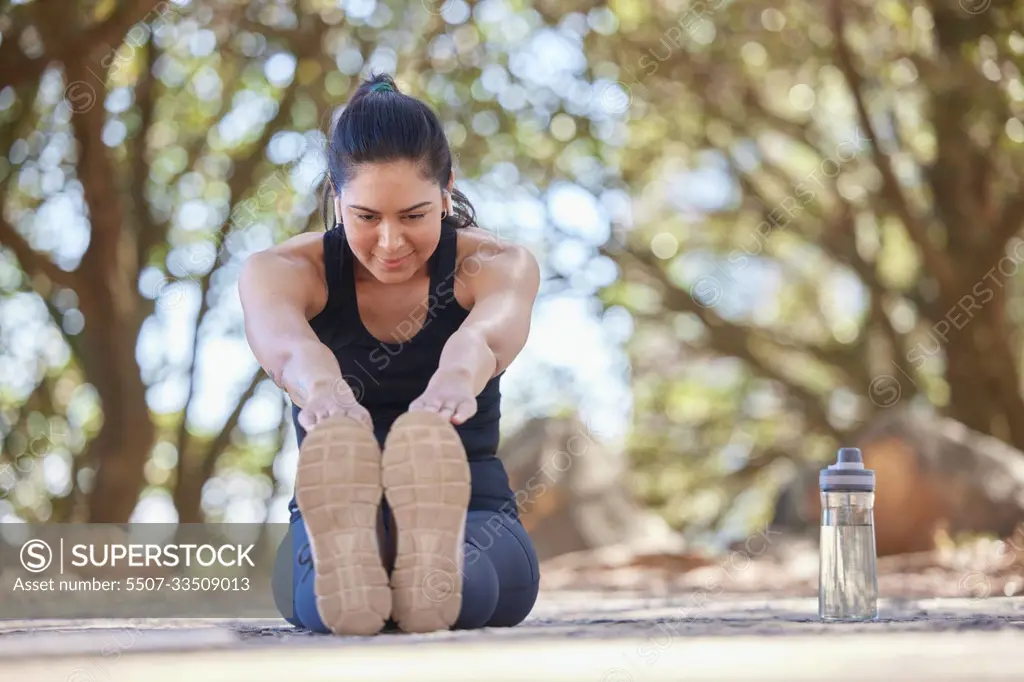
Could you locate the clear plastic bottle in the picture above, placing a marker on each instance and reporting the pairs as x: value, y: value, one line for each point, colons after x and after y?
x: 848, y: 576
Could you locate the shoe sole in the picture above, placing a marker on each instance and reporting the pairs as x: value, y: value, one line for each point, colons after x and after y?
x: 338, y: 489
x: 426, y: 481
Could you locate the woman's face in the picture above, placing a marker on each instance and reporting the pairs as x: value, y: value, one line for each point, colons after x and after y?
x: 391, y: 218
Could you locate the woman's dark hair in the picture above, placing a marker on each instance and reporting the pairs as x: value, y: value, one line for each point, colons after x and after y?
x: 381, y: 124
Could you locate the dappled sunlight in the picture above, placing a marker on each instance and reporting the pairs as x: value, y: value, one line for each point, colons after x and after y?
x: 762, y: 229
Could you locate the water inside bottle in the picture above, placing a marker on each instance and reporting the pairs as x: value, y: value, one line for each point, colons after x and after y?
x: 849, y: 580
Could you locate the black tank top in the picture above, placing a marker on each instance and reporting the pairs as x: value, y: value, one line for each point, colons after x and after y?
x: 386, y: 377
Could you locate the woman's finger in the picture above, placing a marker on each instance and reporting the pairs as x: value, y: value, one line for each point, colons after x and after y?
x: 319, y: 417
x: 446, y: 410
x: 362, y: 417
x: 464, y: 411
x: 425, y: 405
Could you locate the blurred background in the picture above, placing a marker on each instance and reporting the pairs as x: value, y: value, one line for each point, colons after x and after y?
x: 767, y: 230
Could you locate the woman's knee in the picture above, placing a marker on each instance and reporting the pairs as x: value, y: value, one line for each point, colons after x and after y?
x: 479, y: 590
x: 302, y: 611
x: 307, y: 612
x: 514, y: 606
x: 283, y: 583
x: 518, y: 574
x: 526, y: 542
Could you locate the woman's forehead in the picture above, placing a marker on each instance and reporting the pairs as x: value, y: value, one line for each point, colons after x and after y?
x: 397, y: 176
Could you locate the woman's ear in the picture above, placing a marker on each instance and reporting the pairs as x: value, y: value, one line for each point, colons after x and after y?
x: 447, y: 203
x: 337, y: 208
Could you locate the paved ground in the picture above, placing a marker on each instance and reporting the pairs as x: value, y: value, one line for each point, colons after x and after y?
x: 569, y: 636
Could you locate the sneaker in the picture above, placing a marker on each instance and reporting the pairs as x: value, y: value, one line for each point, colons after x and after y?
x: 427, y: 483
x: 338, y: 489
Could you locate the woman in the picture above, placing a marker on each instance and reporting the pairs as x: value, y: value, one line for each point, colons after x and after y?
x: 390, y: 333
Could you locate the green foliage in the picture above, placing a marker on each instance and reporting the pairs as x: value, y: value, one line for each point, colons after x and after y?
x: 813, y: 188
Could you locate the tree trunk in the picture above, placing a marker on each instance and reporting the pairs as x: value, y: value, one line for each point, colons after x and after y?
x: 110, y: 303
x: 980, y: 369
x: 120, y: 450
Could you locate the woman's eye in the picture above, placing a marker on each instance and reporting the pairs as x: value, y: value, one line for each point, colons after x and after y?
x: 366, y: 216
x: 416, y: 216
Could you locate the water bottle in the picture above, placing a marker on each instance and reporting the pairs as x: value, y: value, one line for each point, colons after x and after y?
x: 847, y: 578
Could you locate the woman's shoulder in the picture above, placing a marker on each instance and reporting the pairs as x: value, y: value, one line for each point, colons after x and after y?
x: 477, y: 247
x: 304, y: 251
x: 486, y: 262
x: 296, y: 264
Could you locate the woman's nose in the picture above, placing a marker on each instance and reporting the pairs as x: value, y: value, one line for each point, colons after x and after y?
x: 391, y: 238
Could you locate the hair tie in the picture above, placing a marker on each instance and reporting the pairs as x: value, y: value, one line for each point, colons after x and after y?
x: 382, y: 87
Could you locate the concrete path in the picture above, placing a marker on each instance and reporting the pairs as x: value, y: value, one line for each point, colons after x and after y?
x: 569, y: 636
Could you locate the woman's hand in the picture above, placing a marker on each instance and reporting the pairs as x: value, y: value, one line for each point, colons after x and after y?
x: 450, y: 394
x: 326, y: 400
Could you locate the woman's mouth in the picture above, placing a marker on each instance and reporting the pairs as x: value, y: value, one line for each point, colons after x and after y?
x: 392, y: 263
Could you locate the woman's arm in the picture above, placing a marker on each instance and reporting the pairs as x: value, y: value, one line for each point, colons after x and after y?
x: 281, y: 289
x: 503, y: 283
x: 498, y: 324
x: 276, y: 291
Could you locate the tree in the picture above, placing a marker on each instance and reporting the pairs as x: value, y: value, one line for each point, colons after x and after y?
x: 129, y: 132
x: 828, y: 206
x: 814, y: 212
x: 171, y: 141
x: 184, y: 137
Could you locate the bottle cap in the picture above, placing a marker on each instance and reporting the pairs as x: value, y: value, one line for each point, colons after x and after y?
x: 847, y: 474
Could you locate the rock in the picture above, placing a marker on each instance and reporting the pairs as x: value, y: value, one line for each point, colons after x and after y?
x: 572, y: 491
x: 935, y: 479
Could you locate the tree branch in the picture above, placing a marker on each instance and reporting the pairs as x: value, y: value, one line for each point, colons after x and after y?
x: 108, y: 293
x: 194, y: 472
x: 147, y: 232
x: 1009, y: 224
x: 840, y: 240
x: 730, y: 339
x: 230, y: 75
x: 198, y: 145
x: 221, y: 441
x: 17, y: 68
x: 74, y: 342
x: 19, y: 127
x: 32, y: 262
x: 844, y: 361
x: 937, y: 263
x: 287, y: 36
x: 239, y: 182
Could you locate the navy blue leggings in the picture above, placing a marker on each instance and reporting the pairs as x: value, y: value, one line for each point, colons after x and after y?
x: 500, y: 572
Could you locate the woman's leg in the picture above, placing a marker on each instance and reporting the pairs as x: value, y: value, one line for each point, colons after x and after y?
x: 293, y: 580
x: 297, y: 601
x: 304, y: 580
x: 501, y: 574
x: 338, y: 492
x: 480, y: 587
x: 283, y: 581
x: 518, y: 595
